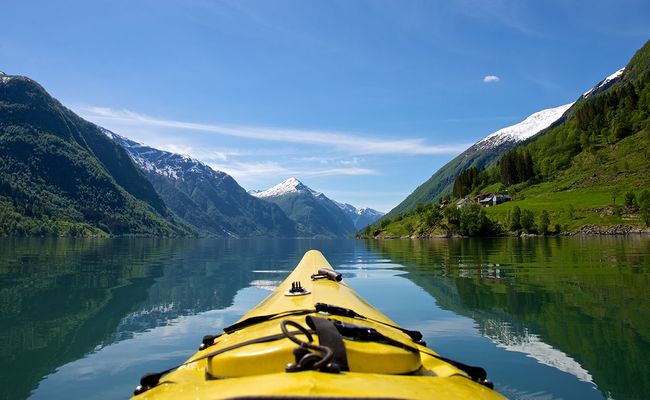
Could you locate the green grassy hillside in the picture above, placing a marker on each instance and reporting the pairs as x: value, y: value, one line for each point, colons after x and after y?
x: 592, y: 169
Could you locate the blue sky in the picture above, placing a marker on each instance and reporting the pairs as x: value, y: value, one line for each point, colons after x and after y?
x: 362, y: 100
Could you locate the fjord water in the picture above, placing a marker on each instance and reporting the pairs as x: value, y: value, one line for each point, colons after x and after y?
x: 548, y: 318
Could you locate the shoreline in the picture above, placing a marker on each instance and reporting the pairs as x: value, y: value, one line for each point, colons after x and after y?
x: 586, y: 230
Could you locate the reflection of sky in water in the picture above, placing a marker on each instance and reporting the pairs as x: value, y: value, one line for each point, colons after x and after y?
x: 546, y: 369
x: 115, y: 370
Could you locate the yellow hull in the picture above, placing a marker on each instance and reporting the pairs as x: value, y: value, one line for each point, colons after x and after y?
x: 393, y: 367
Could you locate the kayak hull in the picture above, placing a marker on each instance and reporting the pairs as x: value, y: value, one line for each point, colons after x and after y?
x: 397, y: 367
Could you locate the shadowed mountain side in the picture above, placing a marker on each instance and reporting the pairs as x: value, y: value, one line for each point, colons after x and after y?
x: 61, y: 176
x: 212, y: 201
x: 560, y: 314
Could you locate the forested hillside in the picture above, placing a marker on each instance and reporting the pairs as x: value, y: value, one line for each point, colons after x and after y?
x: 60, y: 176
x: 590, y: 173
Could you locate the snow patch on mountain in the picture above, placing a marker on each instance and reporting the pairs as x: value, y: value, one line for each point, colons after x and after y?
x: 162, y: 162
x: 606, y: 82
x: 527, y: 128
x: 350, y: 209
x: 291, y: 185
x: 4, y: 78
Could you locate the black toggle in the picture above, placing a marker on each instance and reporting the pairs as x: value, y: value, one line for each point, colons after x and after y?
x: 207, y: 341
x: 329, y: 274
x: 336, y: 310
x: 149, y: 380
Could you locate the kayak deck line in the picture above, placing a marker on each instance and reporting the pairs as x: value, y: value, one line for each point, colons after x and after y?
x: 310, y: 343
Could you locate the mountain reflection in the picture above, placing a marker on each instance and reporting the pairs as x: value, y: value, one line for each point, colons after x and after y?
x: 579, y: 305
x: 61, y: 299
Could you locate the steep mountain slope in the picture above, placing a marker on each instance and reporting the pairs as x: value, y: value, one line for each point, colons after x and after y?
x: 593, y: 169
x: 315, y: 214
x: 209, y: 200
x: 479, y: 155
x: 361, y: 217
x: 590, y: 173
x: 59, y: 175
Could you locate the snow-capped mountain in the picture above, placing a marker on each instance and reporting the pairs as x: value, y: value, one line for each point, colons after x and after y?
x: 165, y: 163
x: 209, y: 200
x: 493, y: 146
x: 4, y: 78
x: 529, y: 127
x: 315, y: 213
x: 605, y: 83
x: 291, y: 185
x: 361, y: 217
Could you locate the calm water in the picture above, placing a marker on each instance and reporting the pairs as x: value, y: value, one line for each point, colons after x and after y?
x: 548, y: 318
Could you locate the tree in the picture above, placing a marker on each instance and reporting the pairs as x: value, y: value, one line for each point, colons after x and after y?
x: 571, y: 211
x: 630, y: 200
x: 515, y: 167
x: 644, y: 207
x: 514, y: 220
x: 467, y: 181
x: 419, y: 209
x: 527, y: 220
x: 452, y: 214
x: 544, y: 222
x: 473, y: 220
x: 432, y: 217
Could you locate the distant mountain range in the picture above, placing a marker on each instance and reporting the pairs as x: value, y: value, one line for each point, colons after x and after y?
x: 361, y: 217
x: 209, y: 200
x: 315, y: 213
x: 63, y: 176
x: 489, y: 149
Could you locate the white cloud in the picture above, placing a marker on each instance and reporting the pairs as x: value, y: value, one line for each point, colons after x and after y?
x: 355, y: 144
x: 259, y: 170
x: 491, y: 79
x: 338, y: 171
x: 240, y: 170
x: 174, y: 148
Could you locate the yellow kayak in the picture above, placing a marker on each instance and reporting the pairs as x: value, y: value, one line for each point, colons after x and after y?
x: 315, y: 337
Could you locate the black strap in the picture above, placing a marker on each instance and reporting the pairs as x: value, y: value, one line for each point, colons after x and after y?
x: 263, y: 318
x: 329, y: 336
x: 416, y: 336
x: 477, y: 374
x: 367, y: 334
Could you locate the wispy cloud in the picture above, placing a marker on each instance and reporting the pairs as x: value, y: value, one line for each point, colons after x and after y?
x: 351, y: 143
x: 491, y: 79
x: 251, y: 171
x: 259, y: 170
x: 512, y: 14
x: 174, y: 148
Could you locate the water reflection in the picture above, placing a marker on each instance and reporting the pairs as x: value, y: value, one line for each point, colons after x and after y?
x: 62, y: 299
x: 578, y: 305
x: 549, y: 318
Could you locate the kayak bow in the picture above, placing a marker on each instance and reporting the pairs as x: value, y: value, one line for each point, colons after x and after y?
x: 315, y: 337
